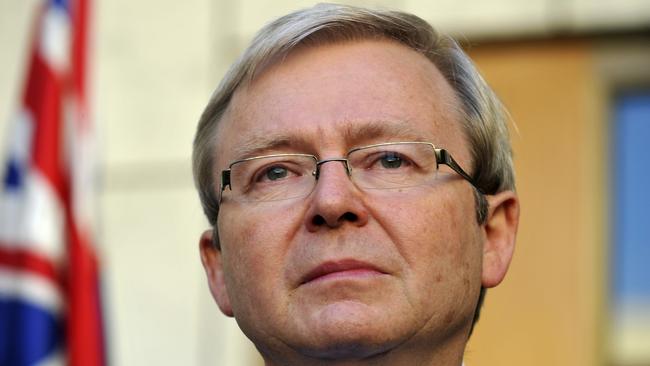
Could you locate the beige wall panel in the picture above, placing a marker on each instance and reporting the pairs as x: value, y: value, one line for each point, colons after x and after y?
x: 253, y: 14
x: 496, y: 17
x: 15, y: 31
x: 152, y: 66
x: 152, y: 275
x: 545, y: 313
x: 607, y: 14
x: 221, y: 341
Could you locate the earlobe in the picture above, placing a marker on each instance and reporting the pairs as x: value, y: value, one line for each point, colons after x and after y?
x: 500, y: 232
x: 211, y: 260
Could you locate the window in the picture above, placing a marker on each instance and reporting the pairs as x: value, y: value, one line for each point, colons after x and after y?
x: 630, y: 256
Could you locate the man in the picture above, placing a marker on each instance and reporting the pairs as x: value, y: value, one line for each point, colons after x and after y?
x: 357, y: 174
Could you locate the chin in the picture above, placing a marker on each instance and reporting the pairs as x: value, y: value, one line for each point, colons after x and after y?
x: 348, y: 350
x: 349, y: 331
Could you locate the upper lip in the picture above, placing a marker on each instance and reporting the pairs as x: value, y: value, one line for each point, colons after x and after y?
x: 337, y: 266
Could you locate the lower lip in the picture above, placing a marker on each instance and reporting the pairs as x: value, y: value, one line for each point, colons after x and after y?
x: 358, y: 273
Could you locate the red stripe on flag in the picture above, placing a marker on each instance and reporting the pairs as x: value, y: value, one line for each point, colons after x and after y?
x: 80, y: 15
x: 43, y: 99
x: 84, y: 328
x: 27, y: 261
x: 85, y: 333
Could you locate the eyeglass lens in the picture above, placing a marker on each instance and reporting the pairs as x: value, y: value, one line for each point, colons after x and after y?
x: 285, y: 176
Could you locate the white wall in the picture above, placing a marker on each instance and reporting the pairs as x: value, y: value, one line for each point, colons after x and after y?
x: 15, y: 21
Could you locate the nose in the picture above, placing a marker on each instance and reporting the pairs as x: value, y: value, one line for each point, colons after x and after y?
x: 335, y: 200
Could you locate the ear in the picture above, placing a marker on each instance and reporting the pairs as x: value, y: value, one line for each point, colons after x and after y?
x: 500, y: 231
x: 211, y: 259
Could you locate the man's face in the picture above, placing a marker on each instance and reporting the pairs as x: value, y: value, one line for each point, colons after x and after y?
x: 346, y: 271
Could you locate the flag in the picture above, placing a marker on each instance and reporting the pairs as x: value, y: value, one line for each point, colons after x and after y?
x: 50, y: 309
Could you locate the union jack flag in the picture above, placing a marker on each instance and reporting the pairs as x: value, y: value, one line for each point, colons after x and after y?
x: 50, y: 310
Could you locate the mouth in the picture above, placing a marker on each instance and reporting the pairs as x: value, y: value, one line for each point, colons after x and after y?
x: 344, y: 269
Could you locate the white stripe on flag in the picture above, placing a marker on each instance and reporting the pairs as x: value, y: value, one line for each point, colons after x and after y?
x: 33, y: 218
x: 20, y: 144
x: 55, y: 38
x: 31, y: 288
x: 81, y: 157
x: 54, y: 359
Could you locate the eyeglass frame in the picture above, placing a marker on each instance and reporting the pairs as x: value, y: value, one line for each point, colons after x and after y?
x: 442, y: 157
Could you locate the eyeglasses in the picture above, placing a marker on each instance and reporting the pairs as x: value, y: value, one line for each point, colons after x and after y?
x: 379, y: 166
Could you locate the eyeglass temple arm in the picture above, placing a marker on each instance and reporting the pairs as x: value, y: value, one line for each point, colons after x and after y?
x: 444, y: 157
x: 225, y: 179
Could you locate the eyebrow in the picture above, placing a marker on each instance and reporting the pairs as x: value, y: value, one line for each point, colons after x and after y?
x: 258, y: 144
x: 354, y: 134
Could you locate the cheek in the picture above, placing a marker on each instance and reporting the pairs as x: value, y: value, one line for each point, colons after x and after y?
x: 424, y: 224
x: 254, y: 248
x: 436, y: 233
x: 453, y: 236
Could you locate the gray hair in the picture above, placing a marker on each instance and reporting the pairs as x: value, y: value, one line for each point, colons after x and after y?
x: 484, y: 119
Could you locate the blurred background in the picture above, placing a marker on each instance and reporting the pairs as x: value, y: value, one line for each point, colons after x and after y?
x: 575, y: 75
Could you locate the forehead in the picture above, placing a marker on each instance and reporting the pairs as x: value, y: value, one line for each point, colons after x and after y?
x: 337, y: 96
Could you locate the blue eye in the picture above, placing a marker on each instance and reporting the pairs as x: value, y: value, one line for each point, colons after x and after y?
x: 275, y: 173
x: 391, y: 160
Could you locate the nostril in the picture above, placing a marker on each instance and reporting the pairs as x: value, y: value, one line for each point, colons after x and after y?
x: 349, y: 216
x: 318, y: 220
